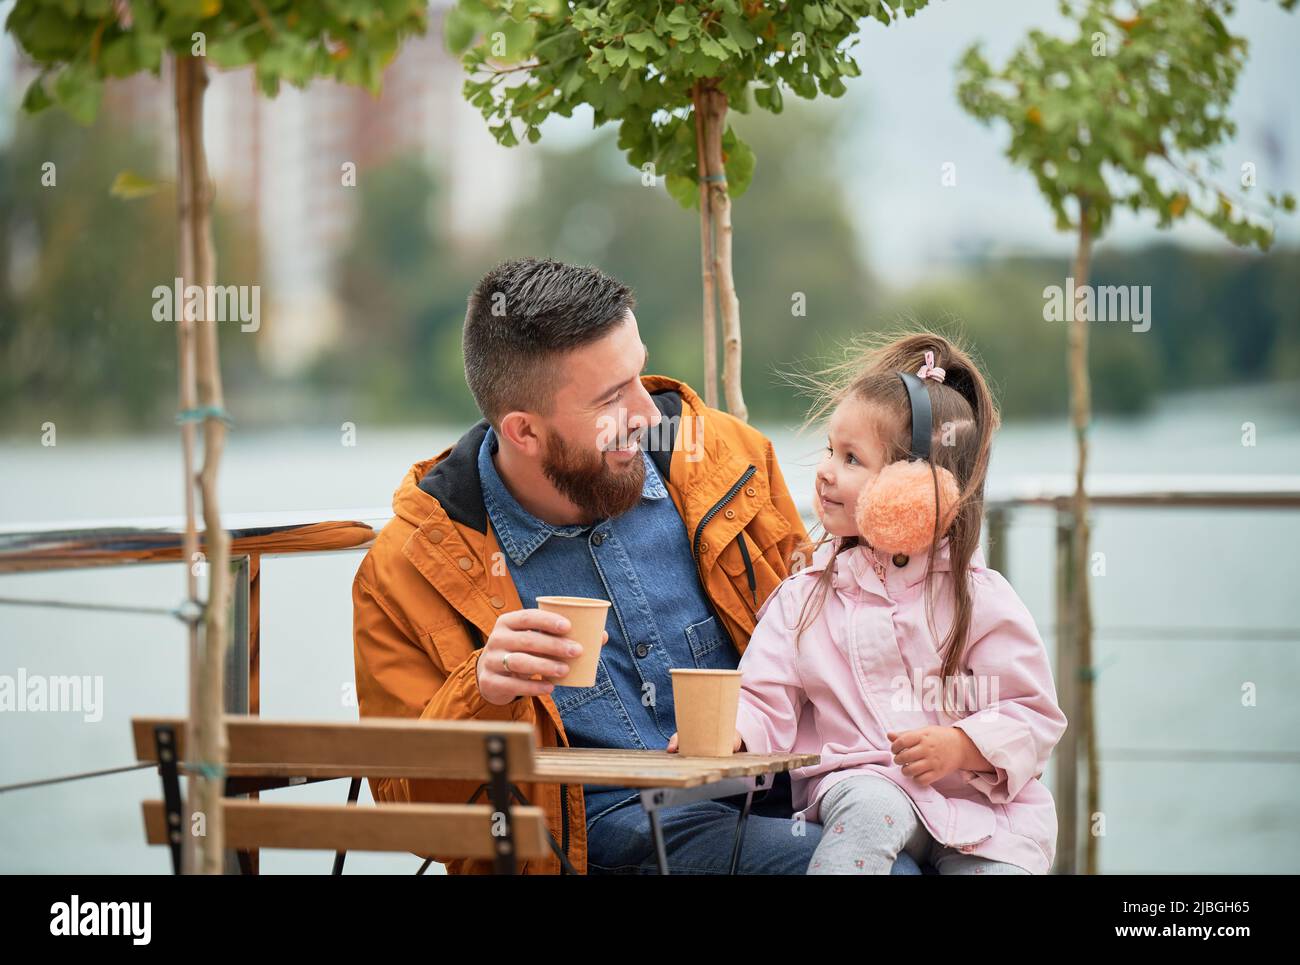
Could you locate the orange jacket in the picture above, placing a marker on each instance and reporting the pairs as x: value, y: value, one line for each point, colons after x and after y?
x: 428, y: 592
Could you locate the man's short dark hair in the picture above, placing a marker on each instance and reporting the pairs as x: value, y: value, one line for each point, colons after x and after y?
x: 521, y: 315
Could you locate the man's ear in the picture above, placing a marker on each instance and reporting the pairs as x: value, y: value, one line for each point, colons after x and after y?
x: 521, y: 430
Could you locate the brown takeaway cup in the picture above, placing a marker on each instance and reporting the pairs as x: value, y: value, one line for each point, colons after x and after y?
x: 587, y: 617
x: 706, y: 702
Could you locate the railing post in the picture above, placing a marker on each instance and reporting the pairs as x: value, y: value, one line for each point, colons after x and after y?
x: 235, y: 699
x: 997, y: 535
x: 1066, y: 756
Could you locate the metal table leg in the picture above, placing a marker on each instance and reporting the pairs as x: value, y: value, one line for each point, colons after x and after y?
x: 653, y: 800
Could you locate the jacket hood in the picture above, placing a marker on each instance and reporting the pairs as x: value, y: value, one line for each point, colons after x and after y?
x: 449, y: 483
x: 854, y: 569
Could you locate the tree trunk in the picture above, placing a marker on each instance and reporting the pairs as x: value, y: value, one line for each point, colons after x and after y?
x: 711, y: 108
x: 706, y: 259
x: 1081, y: 416
x: 206, y: 746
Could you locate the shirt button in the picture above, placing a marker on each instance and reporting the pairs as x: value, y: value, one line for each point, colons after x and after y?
x: 642, y: 649
x: 730, y: 514
x: 465, y: 562
x: 598, y: 538
x: 900, y: 559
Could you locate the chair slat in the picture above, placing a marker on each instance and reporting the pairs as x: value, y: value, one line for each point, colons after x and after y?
x: 447, y: 830
x: 443, y: 749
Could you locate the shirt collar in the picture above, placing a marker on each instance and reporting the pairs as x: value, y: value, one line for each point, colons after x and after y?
x: 519, y: 532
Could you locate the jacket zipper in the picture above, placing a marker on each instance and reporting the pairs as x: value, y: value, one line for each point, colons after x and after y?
x: 699, y: 530
x: 564, y: 824
x: 740, y: 537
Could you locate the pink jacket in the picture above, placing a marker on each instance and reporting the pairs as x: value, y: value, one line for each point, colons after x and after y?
x: 854, y: 677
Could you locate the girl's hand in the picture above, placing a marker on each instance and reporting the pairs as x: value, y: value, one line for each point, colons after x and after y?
x: 737, y: 747
x: 930, y: 754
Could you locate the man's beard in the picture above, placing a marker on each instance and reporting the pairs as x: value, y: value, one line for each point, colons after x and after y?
x: 589, y: 483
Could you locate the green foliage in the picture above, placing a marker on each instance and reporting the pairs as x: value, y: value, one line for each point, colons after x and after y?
x: 81, y: 43
x: 78, y: 341
x: 1124, y: 113
x: 635, y: 64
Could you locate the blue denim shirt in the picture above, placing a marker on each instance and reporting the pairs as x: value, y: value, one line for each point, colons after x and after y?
x: 659, y: 616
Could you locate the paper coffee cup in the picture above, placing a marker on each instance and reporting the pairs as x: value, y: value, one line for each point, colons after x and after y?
x: 705, y: 702
x: 587, y: 619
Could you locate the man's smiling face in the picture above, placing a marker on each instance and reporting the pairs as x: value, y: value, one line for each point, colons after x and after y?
x: 593, y: 438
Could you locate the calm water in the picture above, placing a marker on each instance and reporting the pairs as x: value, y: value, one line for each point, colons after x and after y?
x: 1194, y: 606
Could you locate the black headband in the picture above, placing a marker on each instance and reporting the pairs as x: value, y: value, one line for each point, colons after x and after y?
x: 922, y: 420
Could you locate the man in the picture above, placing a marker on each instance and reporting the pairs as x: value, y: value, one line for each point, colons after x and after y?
x: 585, y: 478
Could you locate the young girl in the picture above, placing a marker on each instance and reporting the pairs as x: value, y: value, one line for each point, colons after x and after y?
x: 920, y: 680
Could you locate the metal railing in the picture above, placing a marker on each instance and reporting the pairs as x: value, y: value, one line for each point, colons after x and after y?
x: 1056, y: 496
x: 97, y: 542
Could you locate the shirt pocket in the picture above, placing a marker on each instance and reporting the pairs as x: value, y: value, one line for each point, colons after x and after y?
x: 595, y: 716
x: 711, y: 648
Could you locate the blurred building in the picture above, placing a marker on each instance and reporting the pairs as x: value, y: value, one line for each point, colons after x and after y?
x: 282, y: 162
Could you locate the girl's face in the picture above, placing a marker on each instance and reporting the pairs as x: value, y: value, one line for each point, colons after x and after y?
x: 853, y: 456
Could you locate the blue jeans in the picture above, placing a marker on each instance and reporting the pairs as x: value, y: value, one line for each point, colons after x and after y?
x: 699, y: 838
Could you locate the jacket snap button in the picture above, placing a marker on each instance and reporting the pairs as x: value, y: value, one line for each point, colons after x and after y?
x: 704, y: 547
x: 642, y: 649
x: 730, y: 514
x: 598, y: 538
x: 436, y: 535
x: 465, y: 562
x: 900, y: 559
x: 751, y: 491
x: 497, y: 602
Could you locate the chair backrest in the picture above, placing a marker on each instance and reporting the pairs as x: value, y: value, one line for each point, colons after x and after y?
x: 451, y: 830
x: 368, y: 748
x: 451, y: 749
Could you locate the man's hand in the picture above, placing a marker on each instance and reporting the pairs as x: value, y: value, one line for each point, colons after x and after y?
x: 737, y: 747
x: 534, y: 644
x: 930, y: 754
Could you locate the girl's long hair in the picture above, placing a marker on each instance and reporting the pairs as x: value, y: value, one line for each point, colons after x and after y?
x: 965, y: 417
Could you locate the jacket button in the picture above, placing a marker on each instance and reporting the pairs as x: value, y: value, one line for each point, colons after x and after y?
x: 436, y: 535
x: 704, y: 547
x: 497, y: 602
x: 598, y: 538
x: 465, y: 562
x: 900, y: 559
x: 730, y: 514
x: 642, y: 649
x: 751, y: 491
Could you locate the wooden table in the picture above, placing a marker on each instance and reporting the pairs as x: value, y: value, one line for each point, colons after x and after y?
x: 667, y: 780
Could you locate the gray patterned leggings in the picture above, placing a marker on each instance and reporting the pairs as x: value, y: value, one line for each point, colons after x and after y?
x: 867, y: 820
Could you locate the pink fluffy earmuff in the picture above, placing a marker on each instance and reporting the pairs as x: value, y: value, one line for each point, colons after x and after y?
x: 895, y: 512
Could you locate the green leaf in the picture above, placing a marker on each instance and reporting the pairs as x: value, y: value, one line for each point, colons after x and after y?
x: 78, y: 90
x: 37, y: 98
x: 457, y: 30
x: 740, y: 163
x: 713, y: 48
x: 645, y: 40
x: 684, y: 190
x: 129, y: 185
x: 228, y: 52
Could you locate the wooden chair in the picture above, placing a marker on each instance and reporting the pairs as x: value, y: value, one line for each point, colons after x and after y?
x: 266, y: 754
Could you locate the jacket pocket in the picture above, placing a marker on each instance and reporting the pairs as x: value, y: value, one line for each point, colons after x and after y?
x: 571, y: 698
x: 970, y: 822
x: 595, y: 716
x: 1032, y: 815
x: 710, y: 646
